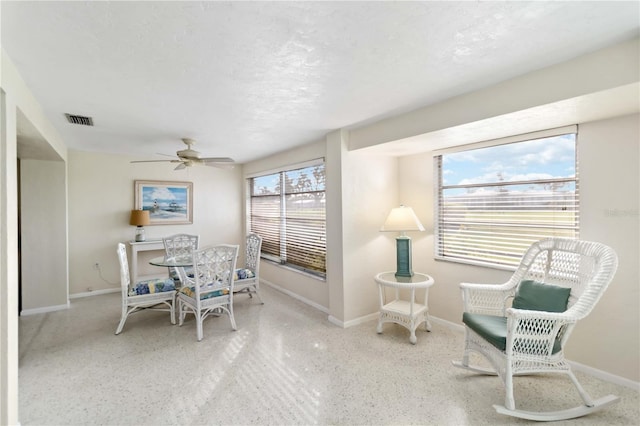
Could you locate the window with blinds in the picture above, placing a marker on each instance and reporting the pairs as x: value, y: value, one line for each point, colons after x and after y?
x: 287, y: 209
x: 494, y: 201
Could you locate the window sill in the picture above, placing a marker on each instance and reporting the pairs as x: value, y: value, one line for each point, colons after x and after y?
x: 294, y: 269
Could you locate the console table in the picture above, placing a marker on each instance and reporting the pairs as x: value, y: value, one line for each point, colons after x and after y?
x: 407, y: 313
x: 137, y: 249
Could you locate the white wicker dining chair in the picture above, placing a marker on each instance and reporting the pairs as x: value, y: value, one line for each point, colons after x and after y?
x: 159, y: 295
x: 181, y: 245
x: 557, y: 283
x: 212, y: 292
x: 247, y: 279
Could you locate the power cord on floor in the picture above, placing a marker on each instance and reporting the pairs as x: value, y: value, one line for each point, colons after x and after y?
x: 99, y: 269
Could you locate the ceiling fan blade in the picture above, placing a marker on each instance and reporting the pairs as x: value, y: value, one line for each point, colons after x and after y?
x: 155, y: 161
x: 216, y: 160
x: 221, y: 165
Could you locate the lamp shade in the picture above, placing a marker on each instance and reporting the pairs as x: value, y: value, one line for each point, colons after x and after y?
x: 402, y: 219
x: 139, y: 218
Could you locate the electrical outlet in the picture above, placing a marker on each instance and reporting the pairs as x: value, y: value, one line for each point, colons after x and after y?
x: 96, y: 266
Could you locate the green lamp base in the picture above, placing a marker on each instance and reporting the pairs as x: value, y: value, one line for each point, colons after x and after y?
x: 403, y: 257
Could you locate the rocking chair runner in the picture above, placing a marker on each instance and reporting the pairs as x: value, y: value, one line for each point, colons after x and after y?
x: 557, y: 283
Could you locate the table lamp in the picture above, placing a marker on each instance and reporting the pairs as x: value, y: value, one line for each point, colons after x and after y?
x: 402, y: 219
x: 139, y: 218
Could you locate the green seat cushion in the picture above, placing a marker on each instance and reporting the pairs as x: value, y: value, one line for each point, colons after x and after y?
x: 493, y: 329
x: 534, y: 296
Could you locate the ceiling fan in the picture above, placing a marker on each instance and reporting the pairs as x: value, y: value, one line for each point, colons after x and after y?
x: 190, y: 157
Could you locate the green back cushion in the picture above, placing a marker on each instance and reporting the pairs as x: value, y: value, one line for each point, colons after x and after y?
x: 535, y: 296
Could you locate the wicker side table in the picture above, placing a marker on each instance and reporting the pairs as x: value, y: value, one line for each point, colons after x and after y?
x: 408, y: 313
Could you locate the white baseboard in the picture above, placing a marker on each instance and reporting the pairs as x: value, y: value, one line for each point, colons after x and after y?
x: 295, y: 296
x: 94, y: 293
x: 603, y: 375
x: 44, y: 310
x: 353, y: 322
x: 447, y: 324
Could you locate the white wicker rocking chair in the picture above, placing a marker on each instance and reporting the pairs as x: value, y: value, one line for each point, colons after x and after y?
x: 248, y: 279
x: 212, y: 292
x: 132, y: 302
x: 527, y: 339
x: 181, y: 245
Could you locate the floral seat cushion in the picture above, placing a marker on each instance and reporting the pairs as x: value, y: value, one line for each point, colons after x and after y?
x: 243, y: 274
x: 191, y: 292
x: 152, y: 286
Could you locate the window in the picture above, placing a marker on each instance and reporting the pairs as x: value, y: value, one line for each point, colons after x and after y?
x: 494, y: 201
x: 287, y: 209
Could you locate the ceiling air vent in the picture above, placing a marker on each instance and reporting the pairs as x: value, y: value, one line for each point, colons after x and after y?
x: 79, y: 119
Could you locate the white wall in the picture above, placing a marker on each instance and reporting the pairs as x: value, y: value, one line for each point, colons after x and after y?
x: 608, y: 157
x: 101, y: 196
x: 16, y: 97
x: 609, y: 164
x: 43, y: 236
x: 8, y: 261
x: 371, y: 190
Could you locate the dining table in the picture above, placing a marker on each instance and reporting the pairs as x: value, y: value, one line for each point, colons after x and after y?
x: 172, y: 261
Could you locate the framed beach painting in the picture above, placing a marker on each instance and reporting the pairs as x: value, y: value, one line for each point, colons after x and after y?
x: 168, y: 203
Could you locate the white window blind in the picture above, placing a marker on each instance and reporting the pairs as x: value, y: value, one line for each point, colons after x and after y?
x: 494, y: 201
x: 287, y: 209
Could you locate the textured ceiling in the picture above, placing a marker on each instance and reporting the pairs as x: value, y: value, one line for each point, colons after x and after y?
x: 249, y: 79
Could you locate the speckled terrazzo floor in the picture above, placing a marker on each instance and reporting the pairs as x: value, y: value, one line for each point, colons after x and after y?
x: 286, y: 365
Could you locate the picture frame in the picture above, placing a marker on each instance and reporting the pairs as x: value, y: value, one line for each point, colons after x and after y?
x: 168, y: 202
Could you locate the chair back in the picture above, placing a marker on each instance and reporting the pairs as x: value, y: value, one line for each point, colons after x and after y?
x: 125, y: 278
x: 181, y: 245
x: 585, y: 267
x: 252, y: 253
x: 213, y: 268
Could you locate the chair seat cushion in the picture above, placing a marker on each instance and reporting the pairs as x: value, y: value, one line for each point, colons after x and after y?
x: 534, y: 296
x: 243, y: 274
x: 152, y: 286
x: 191, y: 292
x: 494, y: 329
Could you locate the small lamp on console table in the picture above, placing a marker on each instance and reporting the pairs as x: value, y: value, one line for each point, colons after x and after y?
x: 139, y: 218
x: 402, y: 219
